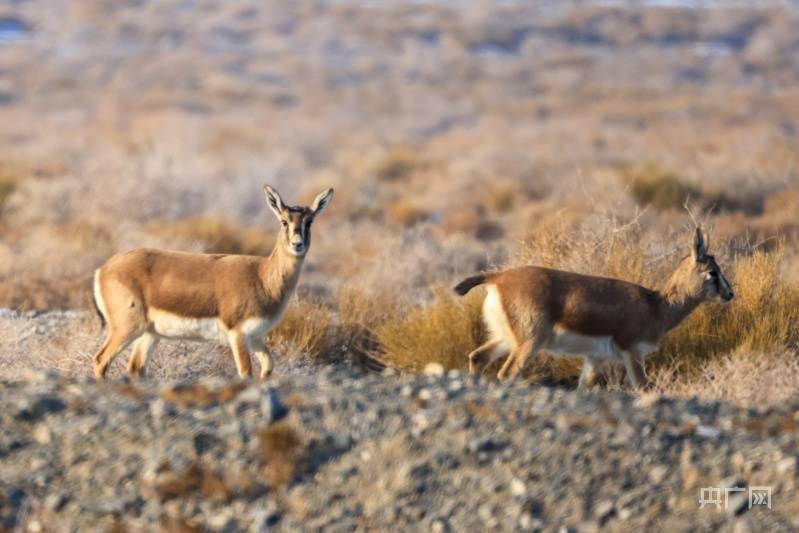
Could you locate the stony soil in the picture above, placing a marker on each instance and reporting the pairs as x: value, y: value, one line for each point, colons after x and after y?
x: 341, y: 450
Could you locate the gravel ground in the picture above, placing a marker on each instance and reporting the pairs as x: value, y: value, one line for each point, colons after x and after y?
x: 340, y: 450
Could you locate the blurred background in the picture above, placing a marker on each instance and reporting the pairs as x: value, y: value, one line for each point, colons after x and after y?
x: 459, y: 136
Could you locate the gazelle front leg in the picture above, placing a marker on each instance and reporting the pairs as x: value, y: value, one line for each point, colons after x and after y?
x: 634, y: 365
x: 588, y: 374
x: 241, y: 353
x: 263, y: 355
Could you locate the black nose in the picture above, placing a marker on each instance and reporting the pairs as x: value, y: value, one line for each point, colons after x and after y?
x: 730, y: 296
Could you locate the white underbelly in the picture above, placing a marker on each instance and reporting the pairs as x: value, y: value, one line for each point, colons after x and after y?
x: 173, y: 326
x: 565, y: 342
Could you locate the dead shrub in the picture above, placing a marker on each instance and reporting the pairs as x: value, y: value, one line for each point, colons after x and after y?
x: 403, y: 212
x: 444, y: 331
x: 742, y: 378
x: 216, y: 235
x: 307, y: 328
x: 280, y: 447
x: 398, y: 163
x: 193, y: 478
x: 502, y: 194
x: 43, y: 294
x: 198, y: 395
x: 652, y: 184
x: 86, y: 235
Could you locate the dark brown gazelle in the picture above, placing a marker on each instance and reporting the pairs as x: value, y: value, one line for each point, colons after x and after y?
x: 145, y: 295
x: 532, y: 309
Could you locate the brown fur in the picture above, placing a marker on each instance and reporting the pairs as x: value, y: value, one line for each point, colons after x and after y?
x: 539, y: 303
x: 132, y: 288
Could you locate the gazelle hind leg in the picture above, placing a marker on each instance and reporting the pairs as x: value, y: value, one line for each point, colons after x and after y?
x: 483, y: 356
x: 241, y: 353
x: 518, y: 358
x: 143, y: 348
x: 124, y: 312
x: 113, y: 346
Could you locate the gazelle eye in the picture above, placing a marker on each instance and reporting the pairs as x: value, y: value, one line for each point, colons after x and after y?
x: 285, y: 224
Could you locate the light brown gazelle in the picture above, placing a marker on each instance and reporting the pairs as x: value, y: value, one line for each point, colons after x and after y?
x: 533, y: 309
x: 145, y: 295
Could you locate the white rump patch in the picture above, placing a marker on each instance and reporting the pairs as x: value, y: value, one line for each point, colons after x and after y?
x: 495, y: 318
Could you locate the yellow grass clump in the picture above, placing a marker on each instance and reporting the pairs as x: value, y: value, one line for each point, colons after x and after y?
x: 444, y: 331
x: 307, y: 328
x: 398, y: 163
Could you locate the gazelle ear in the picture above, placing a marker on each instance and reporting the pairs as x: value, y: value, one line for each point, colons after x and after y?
x: 699, y: 251
x: 273, y: 200
x: 321, y: 202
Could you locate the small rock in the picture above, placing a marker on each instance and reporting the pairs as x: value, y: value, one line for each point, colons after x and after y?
x: 518, y: 487
x: 485, y: 512
x: 604, y: 510
x: 439, y: 525
x: 455, y: 386
x: 434, y: 369
x: 160, y: 409
x: 787, y: 466
x: 708, y: 432
x: 272, y: 409
x: 42, y: 434
x: 33, y: 410
x: 55, y: 502
x: 658, y: 473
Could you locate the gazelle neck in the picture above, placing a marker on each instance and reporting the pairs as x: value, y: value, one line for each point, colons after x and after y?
x: 677, y: 300
x: 280, y: 271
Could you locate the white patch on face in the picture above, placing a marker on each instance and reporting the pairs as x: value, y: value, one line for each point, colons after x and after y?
x: 565, y: 342
x: 495, y: 318
x: 173, y: 326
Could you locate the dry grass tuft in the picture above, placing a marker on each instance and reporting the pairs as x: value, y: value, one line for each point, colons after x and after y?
x: 742, y: 378
x: 280, y: 447
x: 307, y: 328
x: 652, y: 184
x: 197, y: 395
x: 502, y: 194
x: 398, y: 163
x: 444, y: 331
x: 403, y: 212
x: 193, y: 478
x: 216, y: 235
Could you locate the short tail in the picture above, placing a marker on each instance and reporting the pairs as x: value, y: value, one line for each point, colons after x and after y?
x: 96, y: 304
x: 470, y: 283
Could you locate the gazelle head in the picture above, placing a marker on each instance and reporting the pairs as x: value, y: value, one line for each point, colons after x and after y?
x: 701, y: 276
x: 295, y: 232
